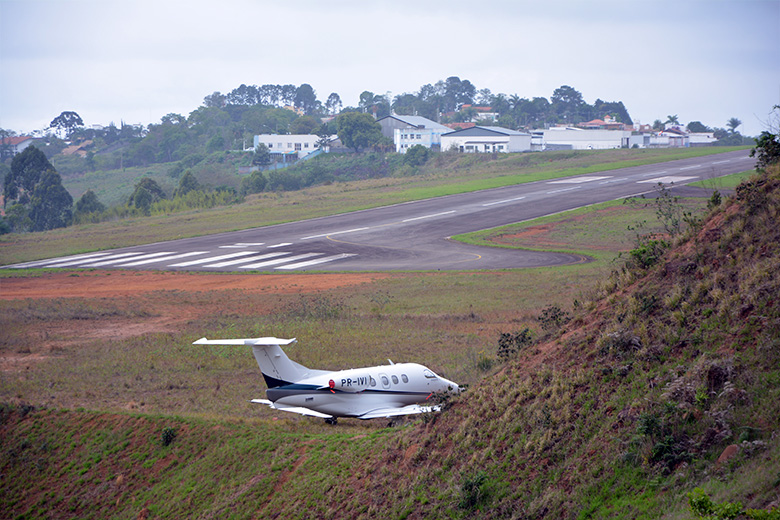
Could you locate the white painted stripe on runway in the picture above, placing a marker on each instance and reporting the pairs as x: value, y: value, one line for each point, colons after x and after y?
x: 721, y: 162
x: 121, y: 256
x: 429, y: 216
x: 577, y: 180
x: 213, y: 259
x: 54, y: 261
x: 654, y: 173
x: 241, y: 245
x: 283, y: 244
x: 502, y: 201
x: 668, y: 179
x: 279, y: 261
x: 142, y: 257
x: 334, y: 233
x: 248, y: 259
x: 619, y: 179
x: 564, y: 189
x: 163, y: 259
x: 691, y: 167
x: 317, y: 261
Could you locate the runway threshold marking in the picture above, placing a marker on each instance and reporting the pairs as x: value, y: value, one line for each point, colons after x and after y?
x: 279, y: 261
x: 37, y: 263
x: 213, y: 259
x: 247, y: 259
x: 120, y: 260
x: 162, y: 259
x: 123, y: 256
x: 316, y: 261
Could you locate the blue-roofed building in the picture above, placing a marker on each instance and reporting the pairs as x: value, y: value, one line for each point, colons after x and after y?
x: 486, y: 139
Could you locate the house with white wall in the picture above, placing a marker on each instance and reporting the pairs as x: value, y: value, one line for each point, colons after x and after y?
x: 408, y: 131
x: 10, y: 146
x: 486, y: 139
x: 288, y: 144
x: 571, y: 138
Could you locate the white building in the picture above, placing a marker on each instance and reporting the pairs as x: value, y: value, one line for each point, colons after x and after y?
x: 284, y: 144
x: 701, y: 138
x: 10, y: 146
x: 570, y: 138
x: 407, y: 131
x: 486, y: 139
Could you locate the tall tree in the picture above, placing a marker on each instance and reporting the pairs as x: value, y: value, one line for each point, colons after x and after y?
x: 733, y: 123
x: 306, y: 99
x: 333, y: 104
x: 358, y: 130
x: 215, y: 99
x: 89, y: 203
x: 67, y: 121
x: 27, y: 168
x: 51, y: 206
x: 568, y: 104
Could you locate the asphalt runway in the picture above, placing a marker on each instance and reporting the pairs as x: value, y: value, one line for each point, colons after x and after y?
x: 408, y: 236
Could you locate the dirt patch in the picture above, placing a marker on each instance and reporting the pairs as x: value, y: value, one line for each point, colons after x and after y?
x: 113, y: 284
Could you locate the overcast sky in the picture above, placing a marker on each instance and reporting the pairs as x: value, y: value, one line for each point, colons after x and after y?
x: 135, y: 61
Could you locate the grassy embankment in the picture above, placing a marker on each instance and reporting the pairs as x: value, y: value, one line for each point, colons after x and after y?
x: 443, y: 175
x: 618, y: 413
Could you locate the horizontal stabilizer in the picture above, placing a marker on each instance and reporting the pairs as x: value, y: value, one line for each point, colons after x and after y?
x: 394, y: 412
x: 294, y: 409
x: 246, y: 341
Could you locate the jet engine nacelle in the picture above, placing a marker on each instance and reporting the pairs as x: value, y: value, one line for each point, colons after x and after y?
x: 350, y: 382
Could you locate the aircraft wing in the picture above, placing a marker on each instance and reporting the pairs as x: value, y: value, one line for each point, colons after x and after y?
x: 404, y: 410
x: 294, y: 409
x: 245, y: 341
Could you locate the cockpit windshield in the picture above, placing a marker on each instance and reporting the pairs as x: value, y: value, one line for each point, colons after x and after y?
x: 430, y: 375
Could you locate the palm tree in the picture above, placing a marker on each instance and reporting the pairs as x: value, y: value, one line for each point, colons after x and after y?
x: 672, y: 120
x: 733, y: 123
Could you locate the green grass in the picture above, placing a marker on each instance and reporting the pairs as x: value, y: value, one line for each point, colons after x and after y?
x: 462, y: 175
x: 557, y: 432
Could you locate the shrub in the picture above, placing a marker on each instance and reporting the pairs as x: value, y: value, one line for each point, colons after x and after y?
x: 553, y: 318
x: 510, y: 343
x: 168, y: 435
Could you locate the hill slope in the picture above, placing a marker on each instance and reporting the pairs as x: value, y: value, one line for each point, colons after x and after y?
x: 618, y: 412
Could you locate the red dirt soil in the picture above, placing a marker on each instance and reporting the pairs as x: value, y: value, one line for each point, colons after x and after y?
x: 110, y: 284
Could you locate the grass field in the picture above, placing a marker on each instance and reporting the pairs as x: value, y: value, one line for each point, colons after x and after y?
x: 94, y: 382
x: 446, y: 176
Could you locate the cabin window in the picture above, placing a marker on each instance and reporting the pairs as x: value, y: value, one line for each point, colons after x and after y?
x: 372, y: 381
x: 404, y: 378
x: 385, y: 381
x: 395, y: 380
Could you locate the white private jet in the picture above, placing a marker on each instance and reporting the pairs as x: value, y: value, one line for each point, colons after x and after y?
x: 365, y: 393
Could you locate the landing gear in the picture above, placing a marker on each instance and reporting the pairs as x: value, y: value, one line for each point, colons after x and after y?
x: 331, y: 420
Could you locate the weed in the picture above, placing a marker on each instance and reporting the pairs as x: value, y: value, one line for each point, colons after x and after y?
x: 473, y: 490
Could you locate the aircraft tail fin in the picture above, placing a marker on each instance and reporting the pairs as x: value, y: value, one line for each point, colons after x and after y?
x: 277, y: 368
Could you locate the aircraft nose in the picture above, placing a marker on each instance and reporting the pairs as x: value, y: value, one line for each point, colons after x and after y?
x: 451, y: 386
